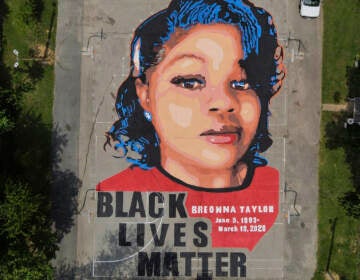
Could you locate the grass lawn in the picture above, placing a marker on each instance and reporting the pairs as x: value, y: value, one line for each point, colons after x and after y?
x: 31, y: 31
x: 341, y: 44
x: 31, y: 41
x: 338, y: 148
x: 28, y: 242
x: 335, y: 180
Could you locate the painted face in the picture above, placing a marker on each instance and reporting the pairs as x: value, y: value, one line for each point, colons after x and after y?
x: 202, y: 108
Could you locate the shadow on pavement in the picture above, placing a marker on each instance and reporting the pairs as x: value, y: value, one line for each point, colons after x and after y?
x: 65, y: 187
x: 111, y: 250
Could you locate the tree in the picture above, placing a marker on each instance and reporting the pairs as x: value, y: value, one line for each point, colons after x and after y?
x: 27, y: 240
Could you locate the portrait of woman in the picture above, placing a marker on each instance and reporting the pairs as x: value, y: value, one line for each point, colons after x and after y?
x: 193, y: 112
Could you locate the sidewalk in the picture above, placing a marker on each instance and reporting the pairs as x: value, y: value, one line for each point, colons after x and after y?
x: 335, y: 107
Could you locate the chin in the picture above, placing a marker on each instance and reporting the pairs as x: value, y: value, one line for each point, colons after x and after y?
x: 218, y: 160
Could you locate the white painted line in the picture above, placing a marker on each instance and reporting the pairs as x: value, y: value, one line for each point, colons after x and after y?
x: 266, y: 268
x: 123, y: 66
x: 96, y: 154
x: 284, y: 154
x: 103, y: 122
x: 265, y: 260
x: 93, y: 257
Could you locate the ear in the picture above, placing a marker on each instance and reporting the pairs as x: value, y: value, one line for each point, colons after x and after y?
x: 142, y: 91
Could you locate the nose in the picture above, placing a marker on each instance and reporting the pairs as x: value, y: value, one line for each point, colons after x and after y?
x: 222, y: 100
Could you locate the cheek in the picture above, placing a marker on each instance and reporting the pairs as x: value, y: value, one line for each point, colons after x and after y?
x: 169, y: 107
x: 175, y: 114
x: 180, y: 115
x: 250, y: 112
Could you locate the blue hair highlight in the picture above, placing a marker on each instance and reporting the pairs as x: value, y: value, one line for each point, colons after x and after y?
x: 201, y: 12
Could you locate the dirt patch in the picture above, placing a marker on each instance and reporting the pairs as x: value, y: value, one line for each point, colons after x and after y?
x: 331, y: 276
x: 46, y: 55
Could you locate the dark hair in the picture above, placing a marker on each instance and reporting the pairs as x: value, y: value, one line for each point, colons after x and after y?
x: 262, y: 63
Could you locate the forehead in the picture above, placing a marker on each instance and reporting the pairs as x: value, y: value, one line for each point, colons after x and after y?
x: 216, y: 42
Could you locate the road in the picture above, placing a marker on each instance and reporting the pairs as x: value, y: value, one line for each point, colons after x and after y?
x: 89, y: 69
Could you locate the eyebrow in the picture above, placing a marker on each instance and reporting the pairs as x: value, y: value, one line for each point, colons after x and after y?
x: 182, y: 56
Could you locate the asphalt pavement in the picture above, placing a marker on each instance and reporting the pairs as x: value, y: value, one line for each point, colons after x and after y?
x: 92, y: 58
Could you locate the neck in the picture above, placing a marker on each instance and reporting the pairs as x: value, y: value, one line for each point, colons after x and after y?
x: 205, y: 177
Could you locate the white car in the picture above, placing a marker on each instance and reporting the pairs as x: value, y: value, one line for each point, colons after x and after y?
x: 310, y: 8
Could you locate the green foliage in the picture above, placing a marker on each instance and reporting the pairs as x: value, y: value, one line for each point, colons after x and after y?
x: 339, y: 173
x: 341, y: 43
x: 353, y: 80
x: 30, y: 243
x: 25, y: 14
x: 30, y: 12
x: 351, y: 203
x: 27, y: 240
x: 9, y: 109
x: 28, y: 273
x: 5, y: 123
x: 336, y: 179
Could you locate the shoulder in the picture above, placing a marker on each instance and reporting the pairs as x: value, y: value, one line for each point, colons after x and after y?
x: 266, y: 176
x: 132, y: 177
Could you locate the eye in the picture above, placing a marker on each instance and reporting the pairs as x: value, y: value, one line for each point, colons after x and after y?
x: 240, y: 85
x: 189, y: 82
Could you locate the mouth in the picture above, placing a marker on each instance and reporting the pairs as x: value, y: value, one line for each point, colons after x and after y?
x: 225, y: 135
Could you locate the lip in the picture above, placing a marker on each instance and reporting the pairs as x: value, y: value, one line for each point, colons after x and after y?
x: 225, y: 135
